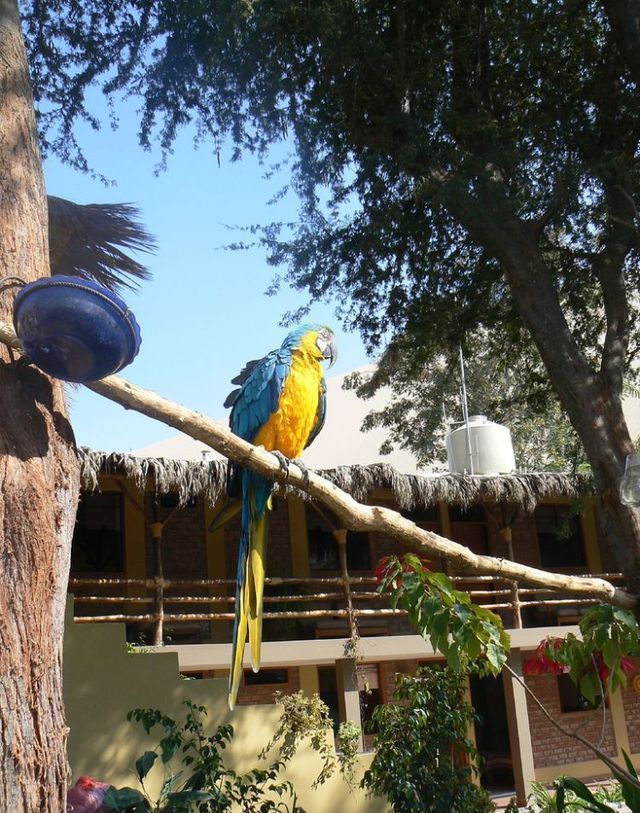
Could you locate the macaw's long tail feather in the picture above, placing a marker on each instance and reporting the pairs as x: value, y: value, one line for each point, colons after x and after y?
x: 255, y: 573
x: 225, y: 515
x: 250, y: 579
x: 240, y: 622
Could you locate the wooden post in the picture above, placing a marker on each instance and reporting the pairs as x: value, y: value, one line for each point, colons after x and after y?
x: 158, y: 608
x: 341, y: 537
x: 507, y: 536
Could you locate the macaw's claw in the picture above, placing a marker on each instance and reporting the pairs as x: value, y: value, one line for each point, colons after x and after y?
x: 283, y: 460
x: 304, y: 469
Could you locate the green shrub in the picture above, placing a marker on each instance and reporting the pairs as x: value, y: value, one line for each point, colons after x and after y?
x: 424, y: 758
x: 202, y: 784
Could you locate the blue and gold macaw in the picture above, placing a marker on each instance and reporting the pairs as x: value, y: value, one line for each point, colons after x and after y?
x: 279, y: 405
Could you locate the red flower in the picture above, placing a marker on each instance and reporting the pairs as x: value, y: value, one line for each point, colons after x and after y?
x: 601, y: 667
x: 543, y: 662
x: 386, y: 564
x: 382, y: 569
x: 627, y: 665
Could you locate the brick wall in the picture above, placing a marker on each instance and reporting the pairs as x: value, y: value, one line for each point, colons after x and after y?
x: 184, y: 553
x: 261, y: 695
x: 550, y: 746
x: 524, y: 536
x: 278, y: 547
x: 388, y: 671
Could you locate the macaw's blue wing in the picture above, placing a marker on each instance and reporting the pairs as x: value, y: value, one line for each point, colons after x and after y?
x: 254, y: 403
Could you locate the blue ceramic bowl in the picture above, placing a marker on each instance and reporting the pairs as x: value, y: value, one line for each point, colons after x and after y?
x: 75, y: 329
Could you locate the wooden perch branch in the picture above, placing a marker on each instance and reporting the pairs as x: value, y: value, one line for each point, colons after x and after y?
x: 354, y: 516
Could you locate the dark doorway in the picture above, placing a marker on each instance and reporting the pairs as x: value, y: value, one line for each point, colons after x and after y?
x: 492, y: 733
x: 328, y: 691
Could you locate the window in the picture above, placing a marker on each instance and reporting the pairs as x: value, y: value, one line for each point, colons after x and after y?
x: 424, y: 516
x: 323, y: 547
x: 571, y: 699
x: 266, y: 677
x: 474, y: 513
x: 469, y: 527
x: 173, y: 501
x: 369, y: 692
x: 98, y: 538
x: 559, y: 537
x: 328, y: 690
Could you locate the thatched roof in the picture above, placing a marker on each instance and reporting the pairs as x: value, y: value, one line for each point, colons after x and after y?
x: 94, y: 241
x: 192, y: 478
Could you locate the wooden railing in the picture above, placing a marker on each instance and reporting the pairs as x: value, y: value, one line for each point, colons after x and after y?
x: 154, y: 603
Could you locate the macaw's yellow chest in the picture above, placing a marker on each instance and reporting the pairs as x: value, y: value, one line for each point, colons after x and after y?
x: 288, y: 429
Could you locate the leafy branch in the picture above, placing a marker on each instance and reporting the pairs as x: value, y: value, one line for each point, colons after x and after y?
x: 470, y: 637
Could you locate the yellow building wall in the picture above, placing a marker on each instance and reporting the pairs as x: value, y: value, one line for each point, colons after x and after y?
x: 102, y: 682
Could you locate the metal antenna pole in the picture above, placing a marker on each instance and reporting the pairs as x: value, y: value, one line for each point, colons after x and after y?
x: 465, y: 411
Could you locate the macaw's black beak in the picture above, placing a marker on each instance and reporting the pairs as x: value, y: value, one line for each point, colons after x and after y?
x: 331, y: 351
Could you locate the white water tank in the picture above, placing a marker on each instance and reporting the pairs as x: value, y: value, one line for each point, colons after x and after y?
x: 483, y: 447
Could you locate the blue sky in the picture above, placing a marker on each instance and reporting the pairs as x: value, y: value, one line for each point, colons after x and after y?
x: 205, y: 312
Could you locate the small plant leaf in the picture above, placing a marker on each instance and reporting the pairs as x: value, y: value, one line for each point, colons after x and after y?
x: 124, y: 800
x: 145, y: 763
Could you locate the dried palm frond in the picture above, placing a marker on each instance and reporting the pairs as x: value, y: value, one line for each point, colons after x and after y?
x: 91, y: 242
x: 191, y: 478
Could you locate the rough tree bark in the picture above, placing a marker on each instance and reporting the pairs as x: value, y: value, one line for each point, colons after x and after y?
x: 592, y: 399
x: 39, y: 478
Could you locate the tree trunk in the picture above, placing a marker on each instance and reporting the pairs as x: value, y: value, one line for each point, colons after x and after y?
x: 592, y: 402
x: 606, y: 440
x: 38, y: 478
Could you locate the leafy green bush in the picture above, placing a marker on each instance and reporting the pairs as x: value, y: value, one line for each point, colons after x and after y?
x: 307, y: 717
x: 349, y: 735
x: 203, y: 784
x: 424, y: 758
x: 596, y: 802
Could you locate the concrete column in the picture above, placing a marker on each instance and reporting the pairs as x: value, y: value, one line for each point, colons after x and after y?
x: 618, y: 718
x: 445, y: 530
x: 298, y: 537
x: 348, y: 693
x: 135, y: 536
x: 590, y: 537
x: 471, y: 729
x: 309, y: 682
x: 519, y: 732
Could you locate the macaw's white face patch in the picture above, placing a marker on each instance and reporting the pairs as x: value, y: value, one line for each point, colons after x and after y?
x: 326, y: 344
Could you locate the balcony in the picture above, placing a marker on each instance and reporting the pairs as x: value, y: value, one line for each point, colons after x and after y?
x: 159, y: 611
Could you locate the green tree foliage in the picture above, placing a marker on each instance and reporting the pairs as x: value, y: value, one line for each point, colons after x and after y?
x: 408, y: 114
x: 461, y: 167
x: 424, y: 759
x: 424, y: 402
